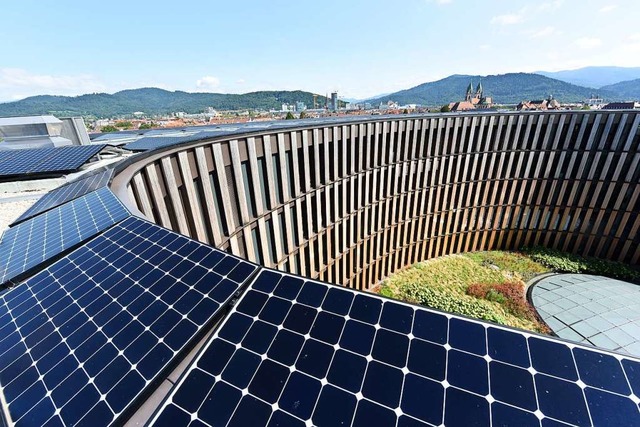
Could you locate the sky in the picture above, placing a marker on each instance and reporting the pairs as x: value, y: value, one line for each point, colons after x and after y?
x: 359, y: 48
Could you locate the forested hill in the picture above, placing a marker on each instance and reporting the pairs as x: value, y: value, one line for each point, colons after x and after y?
x: 504, y: 89
x: 152, y: 101
x: 628, y: 91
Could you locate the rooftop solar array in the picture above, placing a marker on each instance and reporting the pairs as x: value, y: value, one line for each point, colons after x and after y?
x: 45, y: 236
x: 67, y: 192
x: 46, y: 160
x: 294, y: 353
x: 83, y: 339
x: 153, y: 142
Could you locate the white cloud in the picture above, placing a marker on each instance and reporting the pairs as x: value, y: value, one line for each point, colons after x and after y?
x: 508, y: 19
x: 635, y: 37
x: 16, y: 83
x: 208, y: 83
x: 588, y: 42
x: 240, y: 82
x: 608, y: 8
x: 544, y: 32
x: 550, y: 6
x: 485, y: 46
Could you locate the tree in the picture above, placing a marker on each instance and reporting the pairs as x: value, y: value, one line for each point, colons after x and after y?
x: 109, y: 128
x: 445, y: 108
x: 406, y: 111
x: 303, y: 115
x: 290, y: 116
x: 124, y: 125
x: 150, y: 125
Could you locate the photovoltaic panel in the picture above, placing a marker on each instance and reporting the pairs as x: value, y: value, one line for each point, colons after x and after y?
x: 68, y: 158
x: 82, y: 340
x: 153, y: 142
x: 294, y: 353
x: 67, y: 192
x: 46, y: 160
x: 32, y: 242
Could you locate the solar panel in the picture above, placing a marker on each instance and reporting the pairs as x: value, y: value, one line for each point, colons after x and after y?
x: 32, y: 242
x: 67, y: 192
x: 82, y: 340
x: 294, y: 353
x: 151, y: 143
x: 68, y: 158
x: 46, y: 160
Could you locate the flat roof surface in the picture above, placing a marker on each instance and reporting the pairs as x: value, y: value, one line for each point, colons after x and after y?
x: 590, y: 309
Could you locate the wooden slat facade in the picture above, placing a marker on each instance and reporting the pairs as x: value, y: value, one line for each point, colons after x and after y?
x: 351, y: 204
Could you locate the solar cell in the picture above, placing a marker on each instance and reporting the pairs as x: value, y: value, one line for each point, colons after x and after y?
x: 67, y: 192
x: 153, y: 142
x: 323, y: 355
x: 34, y: 241
x: 46, y: 160
x: 82, y: 340
x: 68, y: 158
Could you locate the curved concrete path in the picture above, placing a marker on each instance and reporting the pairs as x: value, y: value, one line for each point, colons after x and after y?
x: 589, y: 309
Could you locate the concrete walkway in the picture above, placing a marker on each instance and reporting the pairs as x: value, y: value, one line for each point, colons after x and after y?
x: 592, y: 310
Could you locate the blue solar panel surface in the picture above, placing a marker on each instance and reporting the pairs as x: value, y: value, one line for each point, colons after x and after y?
x: 32, y: 242
x: 153, y: 142
x: 294, y: 353
x: 80, y: 341
x: 67, y: 192
x: 46, y: 160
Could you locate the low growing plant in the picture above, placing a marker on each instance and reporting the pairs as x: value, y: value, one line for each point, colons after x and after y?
x: 563, y: 262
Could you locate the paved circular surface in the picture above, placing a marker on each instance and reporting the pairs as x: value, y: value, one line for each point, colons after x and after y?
x: 591, y: 309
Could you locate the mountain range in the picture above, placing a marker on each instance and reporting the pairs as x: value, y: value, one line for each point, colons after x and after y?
x: 152, y: 101
x: 595, y: 77
x: 504, y: 89
x: 508, y: 88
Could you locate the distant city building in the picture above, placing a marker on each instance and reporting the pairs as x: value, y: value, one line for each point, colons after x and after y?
x: 539, y: 105
x: 630, y: 105
x: 390, y: 105
x: 334, y: 101
x: 595, y: 102
x: 300, y: 106
x: 41, y: 132
x: 473, y: 100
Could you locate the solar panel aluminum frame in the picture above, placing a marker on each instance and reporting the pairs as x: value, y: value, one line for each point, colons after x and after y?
x: 30, y: 171
x: 15, y: 279
x: 102, y: 176
x: 198, y: 336
x: 527, y: 335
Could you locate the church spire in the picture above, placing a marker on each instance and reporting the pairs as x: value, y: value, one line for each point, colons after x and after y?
x: 469, y: 94
x: 479, y: 89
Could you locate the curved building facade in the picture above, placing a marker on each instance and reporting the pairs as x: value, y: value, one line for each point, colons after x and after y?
x: 350, y: 203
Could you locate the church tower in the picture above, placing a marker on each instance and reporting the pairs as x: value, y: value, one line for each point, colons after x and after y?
x: 469, y: 94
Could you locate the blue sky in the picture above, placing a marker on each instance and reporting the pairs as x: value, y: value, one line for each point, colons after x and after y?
x: 360, y: 48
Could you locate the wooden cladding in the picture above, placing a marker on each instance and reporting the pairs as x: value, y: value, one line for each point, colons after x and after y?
x: 350, y: 203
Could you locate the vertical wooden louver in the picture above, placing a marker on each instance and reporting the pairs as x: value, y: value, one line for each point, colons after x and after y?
x: 352, y: 203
